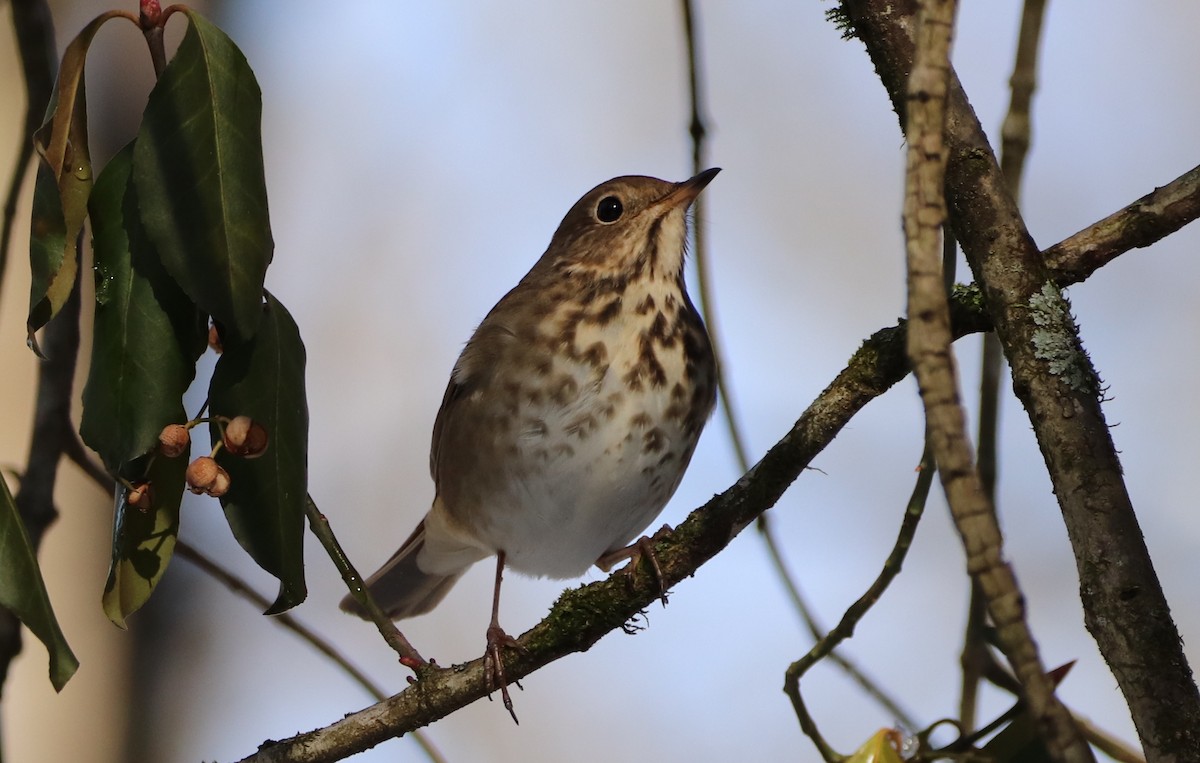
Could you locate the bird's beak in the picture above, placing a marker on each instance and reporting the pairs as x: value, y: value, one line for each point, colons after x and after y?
x: 683, y: 194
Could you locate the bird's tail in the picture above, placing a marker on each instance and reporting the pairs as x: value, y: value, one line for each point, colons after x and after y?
x: 402, y: 588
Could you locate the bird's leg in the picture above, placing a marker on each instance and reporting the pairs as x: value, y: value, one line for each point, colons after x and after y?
x: 493, y: 663
x: 642, y: 548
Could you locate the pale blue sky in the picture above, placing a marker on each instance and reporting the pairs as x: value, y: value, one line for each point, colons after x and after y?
x: 418, y: 158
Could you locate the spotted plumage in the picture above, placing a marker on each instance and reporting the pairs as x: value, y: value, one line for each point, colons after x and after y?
x: 573, y: 410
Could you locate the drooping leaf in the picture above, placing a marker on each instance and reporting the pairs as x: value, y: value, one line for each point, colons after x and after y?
x: 198, y: 168
x: 63, y: 184
x: 143, y: 540
x: 23, y: 592
x: 264, y: 378
x: 147, y: 332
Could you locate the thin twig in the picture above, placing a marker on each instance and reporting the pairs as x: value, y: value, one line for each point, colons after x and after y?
x: 34, y: 27
x: 1016, y: 136
x: 583, y: 616
x: 241, y: 588
x: 320, y: 527
x: 1142, y: 223
x: 79, y: 455
x: 1017, y: 130
x: 698, y: 133
x: 1125, y: 608
x: 869, y: 687
x: 1107, y: 743
x: 845, y: 628
x: 51, y: 419
x: 929, y: 339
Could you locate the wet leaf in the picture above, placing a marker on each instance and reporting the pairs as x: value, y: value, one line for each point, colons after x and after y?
x: 198, y: 168
x: 63, y: 184
x: 23, y: 592
x: 147, y: 333
x: 264, y: 378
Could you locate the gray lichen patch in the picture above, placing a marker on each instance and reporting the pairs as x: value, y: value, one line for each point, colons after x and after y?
x: 1056, y: 341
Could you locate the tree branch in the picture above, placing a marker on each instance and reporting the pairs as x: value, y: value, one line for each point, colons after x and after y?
x: 977, y: 659
x: 34, y: 29
x: 583, y: 615
x: 1142, y: 223
x: 697, y: 131
x: 35, y: 38
x: 52, y: 433
x: 825, y: 645
x: 1124, y: 607
x: 933, y: 363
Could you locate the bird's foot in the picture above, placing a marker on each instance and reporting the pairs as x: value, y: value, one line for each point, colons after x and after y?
x: 493, y: 666
x: 642, y: 548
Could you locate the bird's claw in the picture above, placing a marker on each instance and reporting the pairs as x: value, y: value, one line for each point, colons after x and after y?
x: 642, y: 548
x: 493, y: 666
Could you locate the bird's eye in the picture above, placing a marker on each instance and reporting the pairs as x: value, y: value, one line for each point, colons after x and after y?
x: 609, y: 209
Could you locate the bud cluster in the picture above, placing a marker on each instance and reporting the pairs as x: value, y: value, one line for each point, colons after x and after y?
x: 241, y: 436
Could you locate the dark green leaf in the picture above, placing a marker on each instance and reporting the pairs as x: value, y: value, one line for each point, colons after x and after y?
x: 23, y: 592
x: 143, y: 540
x: 264, y: 378
x: 147, y: 333
x: 198, y: 169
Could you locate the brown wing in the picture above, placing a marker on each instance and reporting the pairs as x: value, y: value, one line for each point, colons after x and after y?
x: 474, y: 370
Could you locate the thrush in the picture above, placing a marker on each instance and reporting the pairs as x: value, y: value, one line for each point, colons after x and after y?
x: 572, y: 412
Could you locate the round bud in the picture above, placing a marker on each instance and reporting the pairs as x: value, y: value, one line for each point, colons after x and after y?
x: 140, y: 496
x: 214, y: 339
x: 174, y: 440
x: 245, y: 437
x: 202, y: 474
x: 220, y: 485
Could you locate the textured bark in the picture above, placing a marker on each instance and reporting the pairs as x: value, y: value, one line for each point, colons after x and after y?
x: 1124, y: 606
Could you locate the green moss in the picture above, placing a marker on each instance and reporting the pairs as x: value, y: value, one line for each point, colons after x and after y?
x: 968, y: 295
x: 841, y: 21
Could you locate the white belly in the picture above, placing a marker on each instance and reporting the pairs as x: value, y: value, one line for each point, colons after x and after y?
x: 583, y: 447
x: 576, y: 499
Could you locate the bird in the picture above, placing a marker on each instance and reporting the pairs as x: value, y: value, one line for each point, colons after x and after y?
x: 572, y: 412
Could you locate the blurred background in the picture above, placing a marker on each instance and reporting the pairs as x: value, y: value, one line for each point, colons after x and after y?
x: 420, y: 155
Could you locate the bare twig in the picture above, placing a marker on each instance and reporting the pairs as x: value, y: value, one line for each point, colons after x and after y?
x: 78, y: 453
x: 1124, y: 606
x: 1147, y: 220
x: 698, y: 133
x: 1016, y: 135
x: 582, y: 616
x: 409, y: 656
x: 929, y: 339
x: 865, y: 682
x: 1017, y: 130
x: 1107, y: 743
x: 34, y: 28
x: 845, y: 628
x: 240, y: 588
x: 51, y: 433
